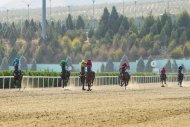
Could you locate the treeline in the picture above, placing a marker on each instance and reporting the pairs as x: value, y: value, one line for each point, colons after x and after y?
x: 115, y: 35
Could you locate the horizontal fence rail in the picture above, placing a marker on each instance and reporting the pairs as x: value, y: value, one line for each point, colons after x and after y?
x: 7, y: 82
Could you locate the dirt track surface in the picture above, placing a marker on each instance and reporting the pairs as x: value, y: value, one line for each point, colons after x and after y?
x: 108, y: 106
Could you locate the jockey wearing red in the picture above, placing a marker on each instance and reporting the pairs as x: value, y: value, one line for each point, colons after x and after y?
x: 163, y: 71
x: 89, y: 64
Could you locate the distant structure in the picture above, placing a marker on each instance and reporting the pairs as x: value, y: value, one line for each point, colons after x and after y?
x: 43, y: 19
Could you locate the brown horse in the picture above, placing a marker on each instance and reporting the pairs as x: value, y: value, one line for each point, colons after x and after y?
x: 82, y: 77
x: 65, y: 75
x: 163, y: 78
x: 124, y: 78
x: 17, y: 77
x: 180, y: 79
x: 90, y: 76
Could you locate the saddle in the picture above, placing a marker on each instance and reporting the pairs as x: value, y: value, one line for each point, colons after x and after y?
x: 65, y: 74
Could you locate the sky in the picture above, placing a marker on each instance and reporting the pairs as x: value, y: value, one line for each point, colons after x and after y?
x: 20, y: 4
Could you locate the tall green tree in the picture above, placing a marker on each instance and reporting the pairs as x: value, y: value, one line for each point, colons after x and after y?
x: 124, y: 26
x: 103, y: 24
x: 168, y: 66
x: 80, y: 23
x: 114, y: 21
x: 184, y: 23
x: 69, y: 22
x: 23, y: 63
x: 148, y: 67
x: 174, y: 66
x: 109, y: 66
x: 34, y: 65
x: 91, y: 33
x: 140, y: 65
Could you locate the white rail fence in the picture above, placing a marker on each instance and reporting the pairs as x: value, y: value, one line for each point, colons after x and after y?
x: 6, y: 82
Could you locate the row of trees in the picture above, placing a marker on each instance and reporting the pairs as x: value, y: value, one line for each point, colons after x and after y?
x: 166, y: 36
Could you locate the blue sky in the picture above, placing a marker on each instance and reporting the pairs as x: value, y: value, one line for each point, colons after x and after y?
x: 16, y: 4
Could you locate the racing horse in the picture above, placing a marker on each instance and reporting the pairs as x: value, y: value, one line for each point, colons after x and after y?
x: 163, y: 78
x: 65, y: 75
x: 90, y: 76
x: 82, y: 78
x: 124, y: 77
x: 180, y: 79
x: 17, y: 77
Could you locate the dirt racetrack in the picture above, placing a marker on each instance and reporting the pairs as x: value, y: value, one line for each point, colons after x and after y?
x: 146, y: 105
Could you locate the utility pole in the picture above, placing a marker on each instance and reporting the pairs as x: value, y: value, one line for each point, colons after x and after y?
x: 50, y: 9
x: 168, y: 6
x: 135, y: 8
x: 28, y: 6
x: 7, y: 15
x: 123, y: 7
x: 44, y: 19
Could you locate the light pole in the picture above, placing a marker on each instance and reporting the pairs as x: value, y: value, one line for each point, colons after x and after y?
x: 93, y: 22
x: 44, y: 19
x: 168, y: 6
x: 50, y: 9
x: 135, y: 8
x: 123, y: 7
x: 7, y: 15
x: 28, y: 5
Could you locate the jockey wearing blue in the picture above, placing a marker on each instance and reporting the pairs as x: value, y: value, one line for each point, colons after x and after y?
x: 16, y: 64
x: 180, y: 69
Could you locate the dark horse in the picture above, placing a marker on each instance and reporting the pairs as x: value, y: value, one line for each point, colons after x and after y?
x: 65, y: 74
x: 163, y: 78
x: 17, y: 77
x: 82, y: 77
x: 124, y: 77
x: 180, y: 79
x: 90, y: 76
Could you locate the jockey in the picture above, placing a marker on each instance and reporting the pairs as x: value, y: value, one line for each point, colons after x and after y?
x: 180, y: 69
x: 63, y: 64
x: 123, y: 67
x: 89, y: 64
x: 163, y: 71
x: 16, y: 64
x: 83, y: 65
x: 128, y: 69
